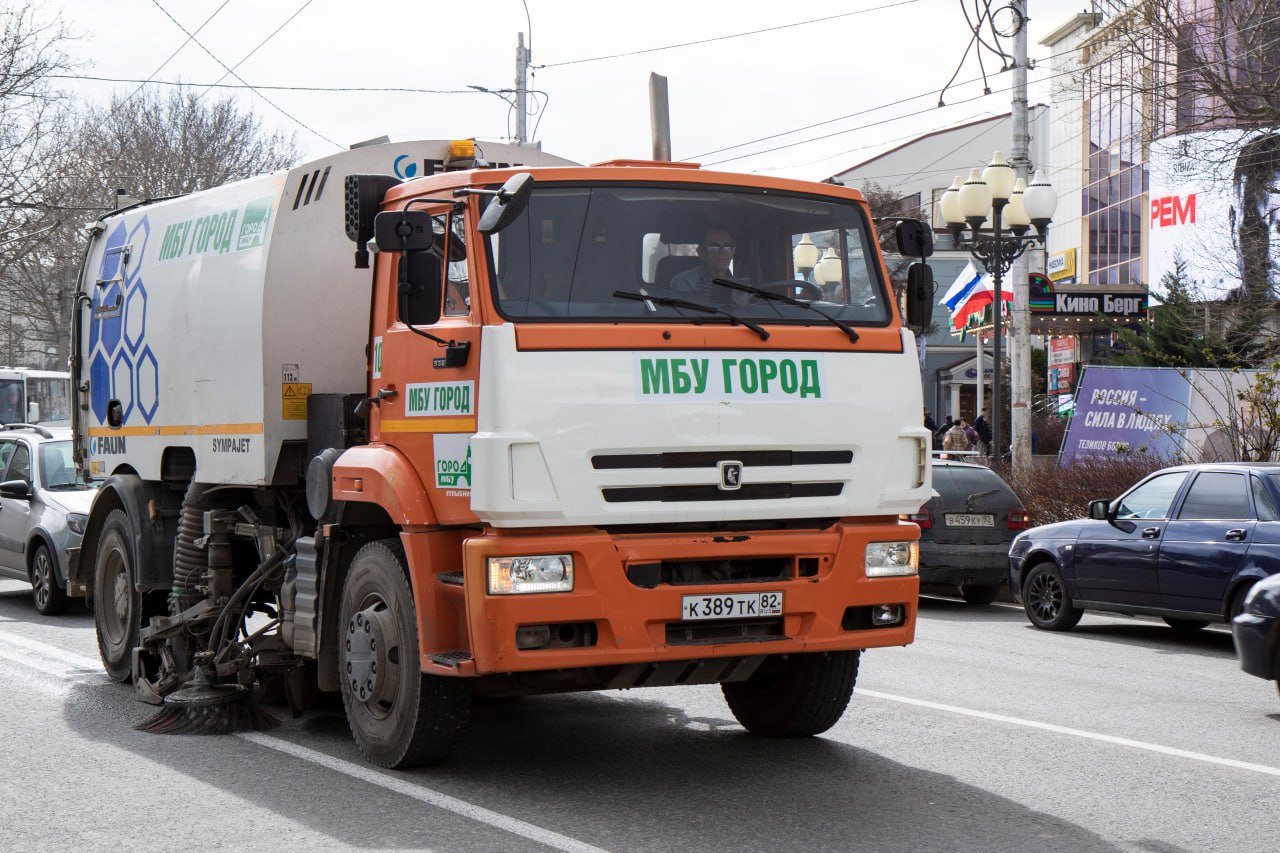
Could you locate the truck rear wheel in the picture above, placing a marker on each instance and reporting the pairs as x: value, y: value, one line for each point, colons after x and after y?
x: 399, y: 717
x: 799, y: 696
x: 117, y: 604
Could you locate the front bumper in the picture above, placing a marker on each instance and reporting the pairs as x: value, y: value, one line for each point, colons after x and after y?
x: 1254, y: 645
x: 634, y: 624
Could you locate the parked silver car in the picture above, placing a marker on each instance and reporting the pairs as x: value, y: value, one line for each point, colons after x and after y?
x: 43, y: 509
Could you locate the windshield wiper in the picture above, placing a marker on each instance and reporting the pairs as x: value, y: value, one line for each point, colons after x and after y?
x: 672, y: 302
x: 778, y: 297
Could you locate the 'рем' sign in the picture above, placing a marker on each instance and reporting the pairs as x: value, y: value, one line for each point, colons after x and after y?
x: 1173, y: 210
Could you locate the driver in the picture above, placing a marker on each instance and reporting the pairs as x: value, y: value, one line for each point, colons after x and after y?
x: 715, y: 254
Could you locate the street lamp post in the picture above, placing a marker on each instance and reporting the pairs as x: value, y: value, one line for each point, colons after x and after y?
x: 996, y: 195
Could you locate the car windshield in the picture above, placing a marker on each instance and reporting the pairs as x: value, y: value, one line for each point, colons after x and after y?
x: 57, y: 470
x: 575, y: 247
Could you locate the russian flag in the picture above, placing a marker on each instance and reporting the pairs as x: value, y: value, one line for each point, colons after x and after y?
x: 979, y: 299
x: 960, y: 289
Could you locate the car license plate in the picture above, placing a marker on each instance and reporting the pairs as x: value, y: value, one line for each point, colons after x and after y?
x: 733, y: 605
x: 970, y: 519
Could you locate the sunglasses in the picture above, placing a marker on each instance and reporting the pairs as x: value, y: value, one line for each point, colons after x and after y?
x: 721, y: 247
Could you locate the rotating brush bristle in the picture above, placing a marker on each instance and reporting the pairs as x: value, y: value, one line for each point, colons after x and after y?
x: 204, y: 707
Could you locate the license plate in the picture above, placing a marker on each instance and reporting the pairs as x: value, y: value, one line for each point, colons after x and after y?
x: 732, y: 605
x: 970, y: 519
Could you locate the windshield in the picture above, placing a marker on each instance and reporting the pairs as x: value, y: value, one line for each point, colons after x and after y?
x: 575, y: 247
x: 57, y: 470
x: 52, y: 395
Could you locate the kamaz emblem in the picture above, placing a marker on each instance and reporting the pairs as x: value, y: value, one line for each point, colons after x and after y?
x: 730, y: 476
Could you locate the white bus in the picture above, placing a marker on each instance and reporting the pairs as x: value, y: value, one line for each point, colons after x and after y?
x: 34, y: 396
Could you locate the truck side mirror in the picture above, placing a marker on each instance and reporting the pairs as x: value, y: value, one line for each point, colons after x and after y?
x: 507, y: 203
x: 915, y: 238
x: 404, y: 231
x: 919, y: 295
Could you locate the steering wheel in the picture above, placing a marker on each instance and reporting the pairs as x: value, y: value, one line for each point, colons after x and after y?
x: 796, y: 289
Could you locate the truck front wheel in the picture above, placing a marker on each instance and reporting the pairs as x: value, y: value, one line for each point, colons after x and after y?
x: 798, y: 696
x: 117, y: 604
x: 399, y: 717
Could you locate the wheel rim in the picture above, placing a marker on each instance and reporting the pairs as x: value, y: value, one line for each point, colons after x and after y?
x: 42, y: 578
x: 115, y: 616
x: 374, y: 657
x: 1044, y: 596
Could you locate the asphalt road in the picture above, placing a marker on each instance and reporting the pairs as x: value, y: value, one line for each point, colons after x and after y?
x: 984, y: 735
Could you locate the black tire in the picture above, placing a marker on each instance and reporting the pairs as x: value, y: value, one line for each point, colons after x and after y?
x: 399, y: 717
x: 1046, y: 602
x: 980, y: 595
x: 117, y: 604
x: 1186, y: 626
x: 797, y: 696
x: 51, y: 599
x: 1237, y: 601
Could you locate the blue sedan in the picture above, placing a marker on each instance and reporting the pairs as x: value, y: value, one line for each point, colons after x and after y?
x: 1186, y: 544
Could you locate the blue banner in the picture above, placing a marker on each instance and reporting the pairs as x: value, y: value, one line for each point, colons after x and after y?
x: 1127, y: 410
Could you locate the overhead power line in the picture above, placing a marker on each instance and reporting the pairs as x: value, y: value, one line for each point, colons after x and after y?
x: 245, y: 86
x: 278, y: 108
x: 726, y: 37
x: 257, y: 47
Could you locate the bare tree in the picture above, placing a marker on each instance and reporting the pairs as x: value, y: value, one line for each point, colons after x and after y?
x: 31, y: 48
x: 148, y: 146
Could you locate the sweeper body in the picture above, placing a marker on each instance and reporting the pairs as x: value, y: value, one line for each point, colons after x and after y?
x: 541, y: 428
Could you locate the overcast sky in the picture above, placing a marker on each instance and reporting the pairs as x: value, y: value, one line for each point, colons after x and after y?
x: 862, y: 81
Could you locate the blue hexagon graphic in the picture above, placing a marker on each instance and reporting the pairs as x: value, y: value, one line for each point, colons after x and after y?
x: 109, y: 329
x: 111, y: 259
x: 122, y: 384
x: 148, y: 384
x: 137, y: 249
x: 99, y: 387
x: 105, y: 297
x: 135, y: 316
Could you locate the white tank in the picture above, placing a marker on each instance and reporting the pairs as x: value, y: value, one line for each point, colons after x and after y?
x: 213, y: 316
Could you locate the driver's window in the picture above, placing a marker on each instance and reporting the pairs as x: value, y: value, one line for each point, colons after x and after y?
x: 20, y: 464
x: 1153, y: 498
x: 457, y: 290
x: 6, y: 453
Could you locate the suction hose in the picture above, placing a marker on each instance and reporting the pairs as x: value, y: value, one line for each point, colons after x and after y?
x: 189, y: 561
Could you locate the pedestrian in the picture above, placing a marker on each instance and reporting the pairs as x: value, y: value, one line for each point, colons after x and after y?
x: 941, y: 432
x: 970, y: 433
x: 955, y: 439
x: 928, y: 422
x: 983, y: 426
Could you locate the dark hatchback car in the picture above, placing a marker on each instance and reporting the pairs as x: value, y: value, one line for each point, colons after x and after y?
x: 1256, y: 630
x: 966, y: 530
x: 1186, y: 544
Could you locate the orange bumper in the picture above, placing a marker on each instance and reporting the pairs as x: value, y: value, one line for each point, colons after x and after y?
x: 634, y: 624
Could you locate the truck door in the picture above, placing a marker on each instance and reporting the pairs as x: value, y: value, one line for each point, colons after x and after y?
x: 433, y: 415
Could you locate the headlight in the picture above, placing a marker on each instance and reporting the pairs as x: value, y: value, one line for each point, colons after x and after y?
x: 890, y: 559
x: 515, y: 575
x: 76, y: 522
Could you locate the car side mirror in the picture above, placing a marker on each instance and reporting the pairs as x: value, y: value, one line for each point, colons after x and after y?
x: 1099, y: 510
x: 19, y: 489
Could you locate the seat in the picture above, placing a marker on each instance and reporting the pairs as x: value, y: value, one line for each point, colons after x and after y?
x: 669, y: 267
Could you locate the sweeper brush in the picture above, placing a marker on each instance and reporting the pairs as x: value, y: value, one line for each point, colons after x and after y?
x: 204, y: 707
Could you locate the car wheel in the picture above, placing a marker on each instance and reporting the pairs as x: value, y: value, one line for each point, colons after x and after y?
x: 797, y: 696
x: 1237, y: 602
x: 1045, y: 599
x: 399, y: 716
x: 117, y: 604
x: 1186, y: 626
x: 978, y: 595
x: 50, y: 599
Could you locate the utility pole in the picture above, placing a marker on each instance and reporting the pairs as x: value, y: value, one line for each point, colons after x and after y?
x: 522, y: 89
x: 659, y: 117
x: 1020, y: 345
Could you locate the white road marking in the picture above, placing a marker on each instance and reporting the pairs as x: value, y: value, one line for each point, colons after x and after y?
x: 1081, y: 733
x: 62, y: 667
x: 422, y: 794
